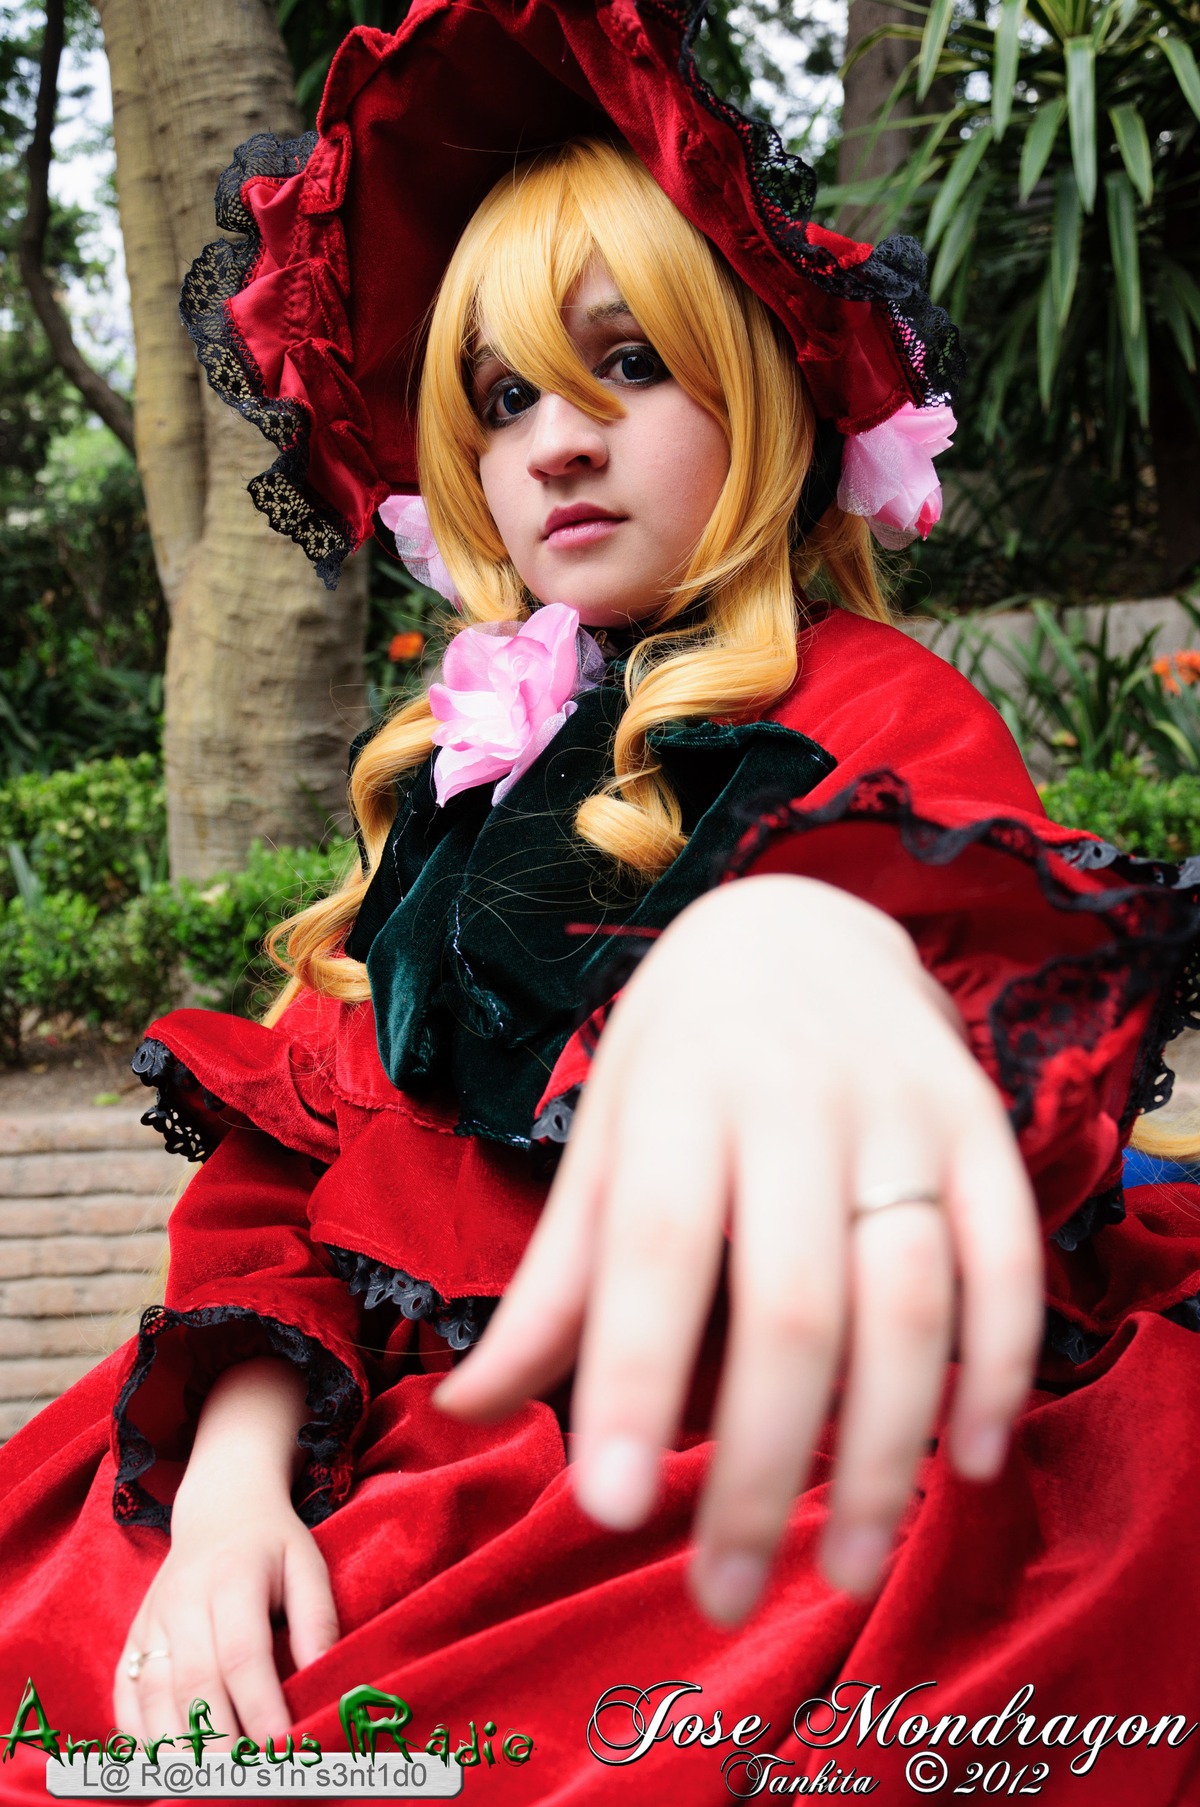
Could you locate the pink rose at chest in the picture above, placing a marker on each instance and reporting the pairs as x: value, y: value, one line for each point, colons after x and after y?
x: 505, y: 695
x: 888, y: 474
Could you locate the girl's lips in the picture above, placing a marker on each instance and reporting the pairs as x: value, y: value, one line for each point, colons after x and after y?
x: 582, y: 533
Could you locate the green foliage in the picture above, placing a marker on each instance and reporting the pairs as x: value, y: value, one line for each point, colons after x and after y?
x: 219, y: 927
x: 37, y: 403
x: 90, y: 926
x: 1073, y: 699
x: 1056, y: 170
x: 1071, y: 696
x: 1139, y: 813
x: 99, y: 830
x: 399, y: 605
x: 44, y: 964
x: 1121, y: 78
x: 82, y: 622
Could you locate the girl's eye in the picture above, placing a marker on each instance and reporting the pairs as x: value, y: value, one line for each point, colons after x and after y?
x: 638, y: 364
x: 499, y: 398
x: 652, y: 365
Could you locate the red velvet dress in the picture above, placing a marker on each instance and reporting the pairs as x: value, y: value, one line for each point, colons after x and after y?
x: 340, y: 1221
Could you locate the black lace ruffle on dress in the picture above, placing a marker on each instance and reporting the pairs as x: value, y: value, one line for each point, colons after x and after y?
x: 334, y: 1399
x: 181, y: 1104
x: 461, y: 1321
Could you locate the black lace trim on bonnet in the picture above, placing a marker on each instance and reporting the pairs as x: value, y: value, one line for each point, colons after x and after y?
x: 155, y: 1065
x: 784, y: 190
x: 461, y: 1321
x: 221, y: 271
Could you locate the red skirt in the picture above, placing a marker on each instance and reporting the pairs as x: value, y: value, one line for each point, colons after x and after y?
x: 469, y: 1584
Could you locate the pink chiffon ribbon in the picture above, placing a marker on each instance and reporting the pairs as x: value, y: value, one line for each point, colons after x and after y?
x: 505, y: 696
x: 888, y: 474
x: 405, y: 517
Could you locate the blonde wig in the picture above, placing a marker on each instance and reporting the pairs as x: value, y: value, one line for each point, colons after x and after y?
x: 723, y: 643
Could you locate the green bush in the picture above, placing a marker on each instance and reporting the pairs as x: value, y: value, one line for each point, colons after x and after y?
x: 45, y: 963
x: 99, y: 831
x: 118, y: 969
x: 1137, y: 813
x: 90, y: 927
x: 220, y: 927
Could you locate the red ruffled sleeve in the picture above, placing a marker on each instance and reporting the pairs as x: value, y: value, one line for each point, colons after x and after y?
x: 246, y: 1277
x: 1070, y: 964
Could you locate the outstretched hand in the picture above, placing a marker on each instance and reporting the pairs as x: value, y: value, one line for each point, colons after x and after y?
x: 779, y: 1054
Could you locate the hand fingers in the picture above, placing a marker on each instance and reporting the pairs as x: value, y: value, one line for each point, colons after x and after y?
x: 241, y: 1611
x: 902, y: 1311
x: 657, y: 1258
x: 130, y: 1696
x: 197, y: 1676
x: 787, y: 1286
x: 998, y: 1235
x: 157, y: 1704
x: 308, y: 1601
x: 533, y: 1335
x: 903, y: 1302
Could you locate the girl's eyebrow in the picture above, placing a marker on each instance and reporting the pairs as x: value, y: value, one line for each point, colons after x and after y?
x: 617, y: 309
x: 608, y: 310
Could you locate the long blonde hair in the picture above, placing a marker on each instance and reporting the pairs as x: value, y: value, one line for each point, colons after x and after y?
x: 724, y: 642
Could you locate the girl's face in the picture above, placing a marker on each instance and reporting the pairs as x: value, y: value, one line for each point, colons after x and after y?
x: 641, y: 488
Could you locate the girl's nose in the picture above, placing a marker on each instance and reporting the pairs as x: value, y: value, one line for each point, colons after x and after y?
x: 564, y: 436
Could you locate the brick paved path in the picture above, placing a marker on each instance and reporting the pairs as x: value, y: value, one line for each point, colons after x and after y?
x: 84, y: 1198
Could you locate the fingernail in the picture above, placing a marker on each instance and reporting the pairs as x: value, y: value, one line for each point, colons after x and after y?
x: 450, y: 1386
x: 616, y: 1481
x: 980, y: 1453
x: 727, y: 1586
x: 852, y: 1557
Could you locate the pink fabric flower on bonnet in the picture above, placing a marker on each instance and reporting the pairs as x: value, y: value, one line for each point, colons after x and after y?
x: 506, y: 695
x: 406, y: 518
x: 888, y: 474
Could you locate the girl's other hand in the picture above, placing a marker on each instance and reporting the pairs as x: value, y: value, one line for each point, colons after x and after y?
x: 779, y: 1053
x: 238, y: 1553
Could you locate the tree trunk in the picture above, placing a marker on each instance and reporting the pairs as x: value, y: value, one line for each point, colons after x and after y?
x: 99, y: 395
x: 868, y: 86
x: 168, y: 430
x: 264, y: 682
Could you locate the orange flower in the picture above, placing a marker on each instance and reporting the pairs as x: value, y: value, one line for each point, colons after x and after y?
x: 406, y: 646
x: 1177, y: 668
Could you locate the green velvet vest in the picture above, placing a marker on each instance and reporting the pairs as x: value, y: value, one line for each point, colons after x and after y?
x: 487, y: 931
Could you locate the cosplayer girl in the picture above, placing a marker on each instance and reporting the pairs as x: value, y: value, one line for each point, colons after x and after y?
x: 830, y: 1134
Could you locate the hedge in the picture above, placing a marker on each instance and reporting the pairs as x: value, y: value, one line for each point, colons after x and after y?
x: 1155, y: 817
x: 89, y: 927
